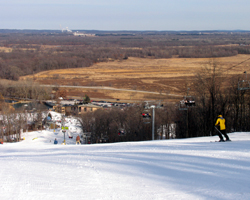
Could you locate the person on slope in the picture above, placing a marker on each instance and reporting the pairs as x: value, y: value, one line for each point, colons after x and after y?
x: 222, y: 123
x: 78, y: 139
x: 55, y: 141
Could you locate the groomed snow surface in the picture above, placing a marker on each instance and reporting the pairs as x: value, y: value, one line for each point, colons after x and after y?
x: 194, y: 168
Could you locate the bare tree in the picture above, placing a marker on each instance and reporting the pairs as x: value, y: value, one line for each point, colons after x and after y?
x: 210, y: 95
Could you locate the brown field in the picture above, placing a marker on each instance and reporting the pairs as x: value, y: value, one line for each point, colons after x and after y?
x: 167, y: 77
x: 5, y: 49
x: 10, y: 49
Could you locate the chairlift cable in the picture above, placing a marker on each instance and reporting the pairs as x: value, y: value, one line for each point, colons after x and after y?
x: 237, y: 64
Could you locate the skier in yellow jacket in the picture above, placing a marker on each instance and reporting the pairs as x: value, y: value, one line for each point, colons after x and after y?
x: 222, y: 123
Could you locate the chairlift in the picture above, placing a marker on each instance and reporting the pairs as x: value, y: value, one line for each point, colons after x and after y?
x: 160, y: 105
x: 121, y: 132
x: 188, y: 101
x: 146, y: 115
x: 244, y: 84
x: 146, y: 106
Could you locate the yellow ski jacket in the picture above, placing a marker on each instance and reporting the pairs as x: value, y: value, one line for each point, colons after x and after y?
x: 221, y: 121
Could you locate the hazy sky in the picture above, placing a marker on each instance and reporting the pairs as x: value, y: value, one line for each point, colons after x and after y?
x: 126, y: 14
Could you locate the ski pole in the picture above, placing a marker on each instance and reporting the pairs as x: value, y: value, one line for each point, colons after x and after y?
x: 218, y: 130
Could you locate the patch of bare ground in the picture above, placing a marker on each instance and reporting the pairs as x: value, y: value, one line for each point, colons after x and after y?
x: 165, y: 76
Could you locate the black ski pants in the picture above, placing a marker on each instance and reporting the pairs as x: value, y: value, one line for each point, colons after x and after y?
x: 224, y: 133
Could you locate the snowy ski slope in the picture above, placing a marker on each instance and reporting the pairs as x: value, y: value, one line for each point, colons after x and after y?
x: 192, y: 168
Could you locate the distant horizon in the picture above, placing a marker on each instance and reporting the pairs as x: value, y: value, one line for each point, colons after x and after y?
x: 187, y: 15
x: 212, y: 30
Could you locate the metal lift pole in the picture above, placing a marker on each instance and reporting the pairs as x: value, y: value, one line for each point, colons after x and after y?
x: 153, y: 121
x: 187, y: 117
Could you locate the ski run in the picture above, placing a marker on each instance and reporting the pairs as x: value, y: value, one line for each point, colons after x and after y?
x: 193, y: 168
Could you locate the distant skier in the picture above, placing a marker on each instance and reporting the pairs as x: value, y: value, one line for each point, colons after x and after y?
x: 222, y: 123
x: 55, y: 141
x: 78, y: 139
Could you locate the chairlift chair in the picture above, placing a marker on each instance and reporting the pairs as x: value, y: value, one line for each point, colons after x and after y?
x: 146, y: 115
x: 121, y: 133
x: 188, y: 101
x: 244, y: 84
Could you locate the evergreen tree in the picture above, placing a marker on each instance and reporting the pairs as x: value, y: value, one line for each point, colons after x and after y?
x: 86, y: 99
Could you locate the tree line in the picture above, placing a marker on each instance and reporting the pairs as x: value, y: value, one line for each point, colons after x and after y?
x: 127, y: 124
x: 27, y: 90
x: 15, y: 121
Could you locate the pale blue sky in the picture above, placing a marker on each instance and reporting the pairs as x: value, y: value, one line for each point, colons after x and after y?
x: 125, y: 15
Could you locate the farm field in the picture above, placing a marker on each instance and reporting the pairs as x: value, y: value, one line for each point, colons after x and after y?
x: 168, y: 78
